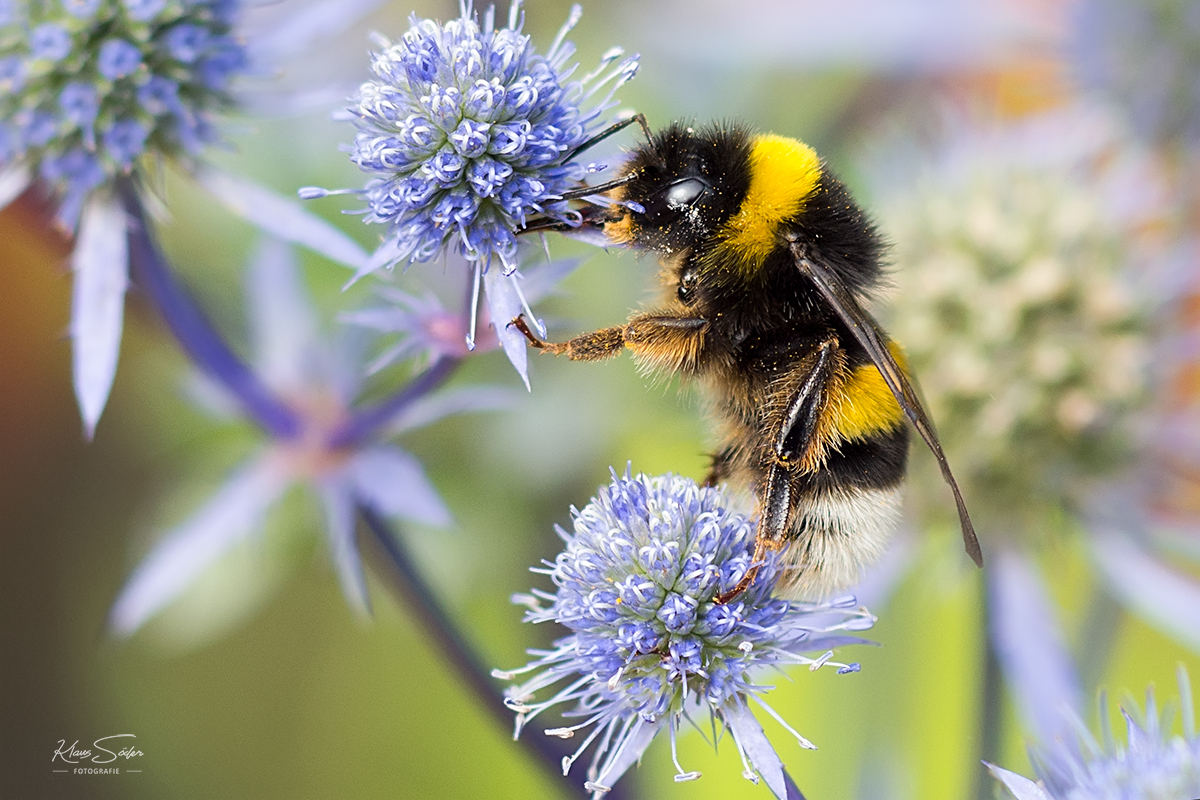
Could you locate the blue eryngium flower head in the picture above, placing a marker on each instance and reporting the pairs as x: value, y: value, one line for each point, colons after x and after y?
x: 89, y: 87
x: 1150, y: 766
x: 466, y: 131
x: 648, y: 647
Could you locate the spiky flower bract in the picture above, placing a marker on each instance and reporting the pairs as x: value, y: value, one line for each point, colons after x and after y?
x: 1151, y: 765
x: 467, y: 130
x: 649, y: 649
x: 92, y: 86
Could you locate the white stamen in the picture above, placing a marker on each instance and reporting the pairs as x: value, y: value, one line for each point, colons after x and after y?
x: 474, y: 305
x: 572, y: 21
x: 746, y: 646
x: 527, y: 600
x: 592, y: 786
x: 561, y: 733
x: 820, y: 662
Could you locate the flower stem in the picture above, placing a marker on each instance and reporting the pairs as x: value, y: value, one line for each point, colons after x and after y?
x: 435, y: 619
x: 191, y: 328
x: 367, y: 421
x: 991, y: 707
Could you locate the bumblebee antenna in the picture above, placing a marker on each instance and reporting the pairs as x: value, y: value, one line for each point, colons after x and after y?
x: 611, y: 130
x: 588, y: 191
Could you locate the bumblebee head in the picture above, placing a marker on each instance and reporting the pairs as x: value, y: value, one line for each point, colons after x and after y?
x: 683, y: 185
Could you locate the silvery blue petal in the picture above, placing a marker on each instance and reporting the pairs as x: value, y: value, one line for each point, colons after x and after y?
x: 338, y: 501
x: 540, y: 282
x: 1030, y: 647
x: 1021, y: 787
x: 282, y: 217
x: 589, y: 235
x: 629, y: 752
x: 100, y: 263
x: 14, y: 179
x: 504, y: 305
x: 210, y: 396
x: 1160, y: 595
x: 231, y: 515
x: 393, y: 483
x: 433, y: 407
x: 386, y: 256
x: 753, y: 741
x: 282, y: 320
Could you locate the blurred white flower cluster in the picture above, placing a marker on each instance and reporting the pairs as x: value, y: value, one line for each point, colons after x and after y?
x: 1019, y: 311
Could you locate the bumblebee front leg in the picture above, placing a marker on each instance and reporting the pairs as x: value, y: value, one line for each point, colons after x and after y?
x: 661, y: 340
x: 798, y: 447
x: 594, y: 346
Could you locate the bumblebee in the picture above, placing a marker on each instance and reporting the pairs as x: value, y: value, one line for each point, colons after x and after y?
x: 766, y: 261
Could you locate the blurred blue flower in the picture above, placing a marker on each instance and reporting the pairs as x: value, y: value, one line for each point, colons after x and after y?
x: 90, y: 87
x: 317, y: 378
x: 110, y: 50
x: 1150, y: 766
x: 648, y: 648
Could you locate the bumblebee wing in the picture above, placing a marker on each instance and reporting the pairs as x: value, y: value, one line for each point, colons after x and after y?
x: 863, y: 327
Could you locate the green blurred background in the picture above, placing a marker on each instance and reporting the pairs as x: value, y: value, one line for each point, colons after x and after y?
x: 260, y: 683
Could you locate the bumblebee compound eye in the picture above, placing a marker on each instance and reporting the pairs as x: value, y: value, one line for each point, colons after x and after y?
x: 675, y: 197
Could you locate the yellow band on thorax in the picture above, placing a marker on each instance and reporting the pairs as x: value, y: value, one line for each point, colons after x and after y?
x: 783, y: 174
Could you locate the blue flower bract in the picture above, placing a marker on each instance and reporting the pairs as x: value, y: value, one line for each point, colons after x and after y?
x: 467, y: 131
x: 649, y: 646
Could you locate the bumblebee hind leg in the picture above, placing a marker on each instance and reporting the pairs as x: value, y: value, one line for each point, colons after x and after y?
x: 797, y: 446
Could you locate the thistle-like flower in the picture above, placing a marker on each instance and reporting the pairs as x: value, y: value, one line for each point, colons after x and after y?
x: 92, y: 90
x: 87, y: 88
x: 1150, y: 766
x: 466, y: 131
x: 648, y: 648
x: 319, y: 438
x: 92, y: 86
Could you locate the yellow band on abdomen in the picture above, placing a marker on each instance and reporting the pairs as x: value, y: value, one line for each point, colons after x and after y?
x: 864, y: 405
